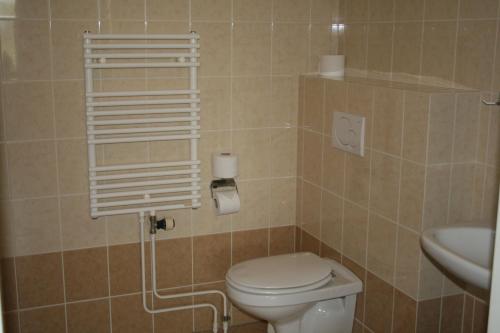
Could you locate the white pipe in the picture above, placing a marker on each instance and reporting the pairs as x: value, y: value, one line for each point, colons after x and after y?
x: 144, y: 291
x: 141, y: 111
x: 144, y: 165
x: 138, y: 55
x: 144, y: 183
x: 143, y: 192
x: 141, y: 46
x: 144, y: 65
x: 143, y: 130
x: 142, y: 93
x: 139, y: 36
x: 193, y: 85
x: 143, y: 139
x: 195, y: 293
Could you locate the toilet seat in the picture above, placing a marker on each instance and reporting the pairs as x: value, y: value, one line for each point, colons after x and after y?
x: 284, y: 274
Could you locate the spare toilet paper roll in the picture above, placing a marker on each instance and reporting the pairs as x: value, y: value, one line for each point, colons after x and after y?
x: 332, y: 65
x: 227, y: 202
x: 224, y: 165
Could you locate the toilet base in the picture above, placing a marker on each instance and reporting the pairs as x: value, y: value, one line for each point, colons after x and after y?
x: 330, y: 316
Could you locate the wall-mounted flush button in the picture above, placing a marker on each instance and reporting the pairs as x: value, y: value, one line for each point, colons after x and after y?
x: 348, y: 132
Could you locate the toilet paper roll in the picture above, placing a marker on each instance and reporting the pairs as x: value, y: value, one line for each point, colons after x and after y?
x: 332, y: 65
x: 224, y: 165
x: 227, y: 202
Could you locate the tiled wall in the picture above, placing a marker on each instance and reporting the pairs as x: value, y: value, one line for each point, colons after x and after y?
x: 427, y: 163
x: 439, y: 42
x: 251, y: 54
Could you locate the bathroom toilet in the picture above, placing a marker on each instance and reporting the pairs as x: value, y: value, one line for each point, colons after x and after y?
x: 296, y: 293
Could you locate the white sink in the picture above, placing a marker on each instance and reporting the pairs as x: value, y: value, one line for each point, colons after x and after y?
x: 466, y: 251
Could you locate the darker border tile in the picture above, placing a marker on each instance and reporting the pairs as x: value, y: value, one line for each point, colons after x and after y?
x: 282, y: 240
x: 212, y: 257
x: 250, y: 244
x: 405, y: 313
x: 84, y: 317
x: 378, y: 304
x: 49, y: 319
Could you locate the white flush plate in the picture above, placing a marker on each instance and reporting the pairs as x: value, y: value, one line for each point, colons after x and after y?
x: 348, y: 132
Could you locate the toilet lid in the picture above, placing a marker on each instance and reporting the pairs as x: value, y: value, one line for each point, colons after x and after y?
x: 279, y: 272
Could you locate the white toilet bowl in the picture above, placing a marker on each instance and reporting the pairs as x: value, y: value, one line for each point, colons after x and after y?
x: 296, y: 293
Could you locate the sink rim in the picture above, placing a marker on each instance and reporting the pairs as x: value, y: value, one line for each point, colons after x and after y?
x: 463, y: 267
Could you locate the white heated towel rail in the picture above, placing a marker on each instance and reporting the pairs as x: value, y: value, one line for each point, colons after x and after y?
x: 115, y: 117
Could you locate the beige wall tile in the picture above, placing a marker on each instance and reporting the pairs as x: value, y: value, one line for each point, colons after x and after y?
x: 407, y: 46
x: 72, y: 166
x: 19, y: 38
x: 379, y: 47
x: 215, y: 41
x: 438, y: 10
x: 354, y: 232
x: 442, y: 112
x: 251, y: 49
x: 411, y: 197
x: 382, y: 247
x: 461, y: 194
x: 253, y: 149
x: 381, y: 10
x: 407, y: 262
x: 490, y: 202
x: 355, y: 48
x: 333, y: 168
x: 168, y: 10
x: 484, y: 124
x: 384, y: 188
x: 212, y: 10
x: 409, y: 10
x: 438, y: 50
x: 4, y: 177
x: 300, y: 203
x: 492, y: 156
x: 335, y: 101
x: 251, y: 102
x: 62, y: 9
x: 357, y: 178
x: 122, y: 229
x: 360, y: 102
x: 311, y: 209
x: 314, y: 104
x: 323, y: 10
x: 471, y: 9
x: 252, y: 10
x: 475, y: 53
x: 284, y: 152
x: 290, y: 48
x: 121, y: 153
x: 215, y: 95
x: 437, y: 185
x: 67, y: 56
x: 32, y: 169
x: 25, y: 9
x: 291, y: 10
x: 36, y: 226
x: 331, y: 220
x: 387, y: 120
x: 255, y: 207
x: 323, y: 41
x: 466, y: 128
x: 430, y: 280
x: 69, y: 109
x: 283, y: 202
x: 123, y: 9
x: 416, y: 116
x: 78, y: 229
x: 313, y: 144
x: 357, y: 10
x: 284, y: 104
x: 28, y: 111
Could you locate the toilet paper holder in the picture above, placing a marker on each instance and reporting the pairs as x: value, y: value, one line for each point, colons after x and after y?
x: 223, y: 184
